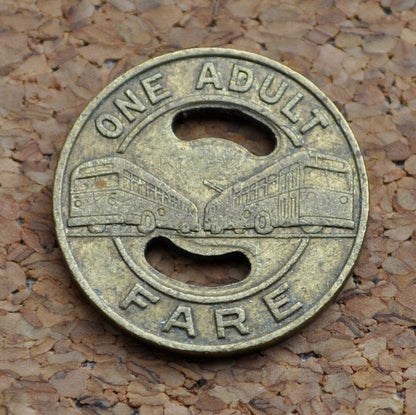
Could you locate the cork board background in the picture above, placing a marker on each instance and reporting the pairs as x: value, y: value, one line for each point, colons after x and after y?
x: 58, y: 355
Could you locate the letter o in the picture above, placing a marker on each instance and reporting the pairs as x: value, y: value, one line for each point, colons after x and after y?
x: 109, y: 126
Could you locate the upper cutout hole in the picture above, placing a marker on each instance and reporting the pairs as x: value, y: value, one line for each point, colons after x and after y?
x: 228, y: 124
x: 201, y: 270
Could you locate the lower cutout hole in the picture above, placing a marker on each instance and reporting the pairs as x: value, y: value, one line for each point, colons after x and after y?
x: 194, y: 269
x: 227, y: 124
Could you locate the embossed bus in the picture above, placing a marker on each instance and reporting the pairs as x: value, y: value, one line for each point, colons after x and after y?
x: 113, y: 190
x: 306, y: 189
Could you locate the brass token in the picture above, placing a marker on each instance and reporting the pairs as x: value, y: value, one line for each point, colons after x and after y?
x: 298, y: 214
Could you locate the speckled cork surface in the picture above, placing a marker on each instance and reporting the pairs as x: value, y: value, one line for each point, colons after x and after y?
x: 58, y: 355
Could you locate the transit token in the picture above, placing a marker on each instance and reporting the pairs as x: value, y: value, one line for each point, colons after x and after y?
x: 298, y: 214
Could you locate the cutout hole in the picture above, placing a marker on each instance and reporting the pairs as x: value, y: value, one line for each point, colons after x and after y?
x: 205, y: 271
x: 227, y: 124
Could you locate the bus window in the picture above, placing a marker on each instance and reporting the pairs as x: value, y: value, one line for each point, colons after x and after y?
x: 166, y: 198
x: 173, y: 201
x: 326, y: 178
x: 135, y: 184
x: 282, y: 182
x: 150, y: 191
x: 106, y: 180
x: 252, y: 195
x: 142, y: 187
x: 244, y: 195
x: 159, y: 195
x: 126, y: 180
x: 292, y: 179
x: 339, y: 180
x: 289, y: 180
x: 272, y: 184
x: 84, y: 183
x: 262, y: 189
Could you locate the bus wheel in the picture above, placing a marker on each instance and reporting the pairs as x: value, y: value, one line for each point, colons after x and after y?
x: 312, y: 229
x: 147, y: 223
x: 216, y: 228
x: 184, y: 227
x: 96, y: 228
x: 263, y: 223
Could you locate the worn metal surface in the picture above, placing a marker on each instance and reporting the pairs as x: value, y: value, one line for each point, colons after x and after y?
x: 298, y: 214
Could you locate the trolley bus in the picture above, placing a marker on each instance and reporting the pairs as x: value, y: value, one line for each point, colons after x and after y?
x: 305, y: 189
x: 113, y: 190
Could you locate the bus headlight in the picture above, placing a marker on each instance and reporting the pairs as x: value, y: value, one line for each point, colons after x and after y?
x: 77, y: 203
x: 343, y: 200
x: 111, y: 201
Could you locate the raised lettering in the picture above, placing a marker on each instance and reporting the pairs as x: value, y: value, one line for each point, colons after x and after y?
x: 134, y: 104
x: 241, y: 79
x: 109, y: 126
x: 267, y: 95
x: 181, y: 318
x: 154, y: 90
x: 223, y: 320
x: 209, y: 75
x: 318, y: 118
x: 278, y: 299
x: 288, y: 108
x: 138, y: 296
